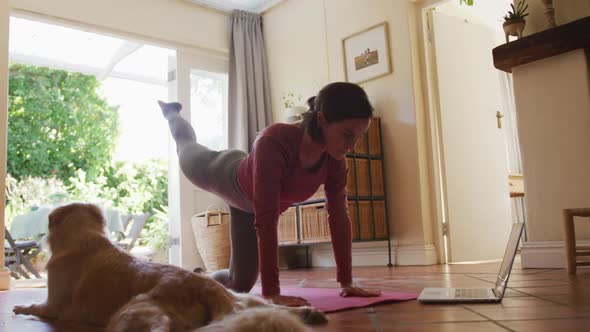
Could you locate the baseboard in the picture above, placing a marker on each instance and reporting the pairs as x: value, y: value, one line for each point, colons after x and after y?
x: 545, y: 254
x: 372, y: 254
x: 4, y: 279
x: 416, y: 255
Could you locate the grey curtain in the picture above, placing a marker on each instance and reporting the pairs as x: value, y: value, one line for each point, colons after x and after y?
x: 249, y: 95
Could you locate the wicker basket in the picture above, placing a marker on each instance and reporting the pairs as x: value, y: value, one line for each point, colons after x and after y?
x: 363, y: 230
x: 350, y: 186
x: 288, y: 226
x: 372, y: 136
x: 211, y: 229
x: 362, y: 177
x: 319, y: 194
x: 314, y: 223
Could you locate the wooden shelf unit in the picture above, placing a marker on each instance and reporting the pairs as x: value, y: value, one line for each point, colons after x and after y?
x: 306, y: 223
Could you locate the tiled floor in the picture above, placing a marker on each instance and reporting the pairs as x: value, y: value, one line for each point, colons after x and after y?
x: 537, y: 300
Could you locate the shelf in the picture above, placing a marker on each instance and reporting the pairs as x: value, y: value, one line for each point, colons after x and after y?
x: 366, y: 198
x: 367, y: 208
x: 551, y: 42
x: 350, y: 198
x: 328, y: 242
x: 365, y: 156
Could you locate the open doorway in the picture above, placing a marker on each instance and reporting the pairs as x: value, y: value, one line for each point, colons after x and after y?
x: 134, y: 73
x: 473, y: 129
x: 93, y: 96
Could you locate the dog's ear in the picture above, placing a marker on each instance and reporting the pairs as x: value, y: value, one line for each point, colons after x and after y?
x: 95, y: 213
x: 56, y: 217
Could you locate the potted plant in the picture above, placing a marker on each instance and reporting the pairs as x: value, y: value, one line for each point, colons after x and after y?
x: 290, y: 102
x: 514, y: 21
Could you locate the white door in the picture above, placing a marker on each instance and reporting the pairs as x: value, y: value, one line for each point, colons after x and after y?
x: 199, y: 82
x: 473, y: 150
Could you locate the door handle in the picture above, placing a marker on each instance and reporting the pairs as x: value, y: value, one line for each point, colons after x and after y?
x: 499, y: 117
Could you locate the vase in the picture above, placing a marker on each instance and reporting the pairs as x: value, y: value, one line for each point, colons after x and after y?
x: 549, y: 13
x: 293, y: 114
x: 514, y: 28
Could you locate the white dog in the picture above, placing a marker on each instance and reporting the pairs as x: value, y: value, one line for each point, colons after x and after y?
x: 92, y: 281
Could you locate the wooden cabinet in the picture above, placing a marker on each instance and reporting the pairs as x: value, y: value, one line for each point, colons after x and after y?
x: 367, y: 206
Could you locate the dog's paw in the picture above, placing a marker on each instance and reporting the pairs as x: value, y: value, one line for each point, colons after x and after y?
x: 23, y: 309
x: 312, y: 316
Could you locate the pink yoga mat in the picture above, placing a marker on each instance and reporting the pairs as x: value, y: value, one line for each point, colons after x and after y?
x: 329, y: 299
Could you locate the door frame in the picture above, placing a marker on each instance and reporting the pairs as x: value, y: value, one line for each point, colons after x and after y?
x: 182, y: 194
x: 430, y: 86
x: 214, y: 56
x: 432, y: 107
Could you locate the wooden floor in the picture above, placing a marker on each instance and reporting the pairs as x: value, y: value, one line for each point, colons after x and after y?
x: 537, y: 300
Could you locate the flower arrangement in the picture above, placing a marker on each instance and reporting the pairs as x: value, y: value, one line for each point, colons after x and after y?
x: 291, y: 99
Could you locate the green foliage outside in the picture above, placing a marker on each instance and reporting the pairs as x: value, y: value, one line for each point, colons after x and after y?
x: 61, y: 138
x: 58, y: 124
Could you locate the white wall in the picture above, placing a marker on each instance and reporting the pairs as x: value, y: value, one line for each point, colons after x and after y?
x: 304, y: 46
x: 294, y: 37
x: 553, y: 108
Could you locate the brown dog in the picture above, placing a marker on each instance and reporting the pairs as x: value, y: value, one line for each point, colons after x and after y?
x: 92, y: 281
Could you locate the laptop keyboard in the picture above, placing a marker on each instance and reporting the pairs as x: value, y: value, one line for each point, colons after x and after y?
x: 476, y: 293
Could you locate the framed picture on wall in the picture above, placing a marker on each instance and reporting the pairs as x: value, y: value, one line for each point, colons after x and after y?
x: 367, y: 54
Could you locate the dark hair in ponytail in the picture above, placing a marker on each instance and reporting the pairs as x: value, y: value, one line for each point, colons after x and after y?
x: 337, y: 101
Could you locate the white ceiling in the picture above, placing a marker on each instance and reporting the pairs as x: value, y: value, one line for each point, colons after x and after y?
x: 255, y: 6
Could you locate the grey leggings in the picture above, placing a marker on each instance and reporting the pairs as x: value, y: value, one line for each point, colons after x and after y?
x: 215, y: 171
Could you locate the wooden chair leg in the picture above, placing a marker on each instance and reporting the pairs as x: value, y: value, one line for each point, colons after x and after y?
x: 22, y: 272
x: 31, y: 268
x: 570, y: 241
x: 26, y: 261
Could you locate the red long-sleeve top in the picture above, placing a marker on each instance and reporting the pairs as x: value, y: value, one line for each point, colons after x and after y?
x: 272, y: 178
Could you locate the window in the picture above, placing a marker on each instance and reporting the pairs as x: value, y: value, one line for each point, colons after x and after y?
x: 209, y: 108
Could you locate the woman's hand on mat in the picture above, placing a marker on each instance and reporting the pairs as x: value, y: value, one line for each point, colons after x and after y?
x: 289, y: 301
x: 350, y: 290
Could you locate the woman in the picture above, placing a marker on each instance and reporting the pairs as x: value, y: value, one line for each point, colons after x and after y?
x: 287, y: 164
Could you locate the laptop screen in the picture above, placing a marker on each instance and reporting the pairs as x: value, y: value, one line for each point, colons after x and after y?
x: 508, y: 258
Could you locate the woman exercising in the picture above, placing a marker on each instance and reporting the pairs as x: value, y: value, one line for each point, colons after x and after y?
x: 287, y: 164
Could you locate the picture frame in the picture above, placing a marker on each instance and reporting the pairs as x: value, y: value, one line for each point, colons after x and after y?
x: 367, y: 54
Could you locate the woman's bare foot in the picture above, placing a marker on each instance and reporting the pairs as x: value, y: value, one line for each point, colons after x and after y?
x: 169, y: 108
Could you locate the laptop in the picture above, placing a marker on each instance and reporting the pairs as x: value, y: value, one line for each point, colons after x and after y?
x: 491, y: 295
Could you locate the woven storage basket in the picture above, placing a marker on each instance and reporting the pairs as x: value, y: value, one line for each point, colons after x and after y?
x: 373, y: 136
x: 319, y: 194
x: 211, y: 229
x: 288, y: 226
x: 362, y: 177
x: 314, y: 223
x: 366, y: 225
x: 350, y: 182
x: 362, y: 229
